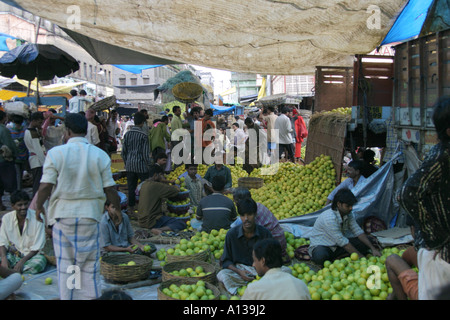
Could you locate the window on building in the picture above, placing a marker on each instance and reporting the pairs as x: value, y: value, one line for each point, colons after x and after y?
x: 122, y: 82
x: 146, y: 79
x: 133, y: 81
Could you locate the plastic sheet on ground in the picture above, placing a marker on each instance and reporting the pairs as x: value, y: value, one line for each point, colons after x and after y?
x: 394, y: 236
x: 375, y: 198
x: 34, y: 288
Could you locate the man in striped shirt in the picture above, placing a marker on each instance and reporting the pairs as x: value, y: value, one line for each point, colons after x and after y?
x: 336, y: 232
x: 136, y: 157
x: 216, y: 211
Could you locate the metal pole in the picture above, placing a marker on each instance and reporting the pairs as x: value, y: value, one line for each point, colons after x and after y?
x: 35, y: 41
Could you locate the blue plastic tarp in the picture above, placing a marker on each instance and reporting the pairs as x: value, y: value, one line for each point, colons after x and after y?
x: 410, y: 21
x: 136, y: 68
x: 221, y: 109
x: 3, y: 45
x: 375, y: 198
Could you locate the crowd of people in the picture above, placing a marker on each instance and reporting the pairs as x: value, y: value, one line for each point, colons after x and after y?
x: 74, y: 199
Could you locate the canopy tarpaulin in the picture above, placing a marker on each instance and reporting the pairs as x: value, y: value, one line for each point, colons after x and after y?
x: 409, y: 23
x: 136, y: 69
x: 261, y: 92
x: 265, y: 37
x: 5, y: 81
x: 8, y: 94
x: 419, y: 18
x: 3, y: 42
x: 228, y: 92
x: 222, y: 109
x: 51, y: 88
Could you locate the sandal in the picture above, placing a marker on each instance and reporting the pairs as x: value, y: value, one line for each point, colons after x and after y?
x: 301, y: 253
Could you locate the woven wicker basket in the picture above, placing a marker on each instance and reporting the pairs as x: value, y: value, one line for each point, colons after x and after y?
x: 178, y: 209
x: 187, y: 91
x: 175, y: 266
x: 112, y: 271
x: 250, y: 182
x: 179, y: 282
x: 181, y: 196
x: 200, y: 256
x: 108, y: 102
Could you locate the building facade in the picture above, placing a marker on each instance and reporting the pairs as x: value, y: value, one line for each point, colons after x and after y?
x: 98, y: 79
x: 293, y: 85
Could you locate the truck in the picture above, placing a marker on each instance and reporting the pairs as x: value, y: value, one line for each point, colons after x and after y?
x: 405, y: 86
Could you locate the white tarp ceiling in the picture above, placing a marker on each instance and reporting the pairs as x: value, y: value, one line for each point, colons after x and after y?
x: 258, y: 36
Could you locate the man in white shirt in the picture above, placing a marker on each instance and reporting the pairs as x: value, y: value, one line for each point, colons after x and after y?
x: 22, y: 237
x: 74, y: 102
x: 239, y: 139
x: 92, y: 131
x: 35, y: 144
x: 270, y: 117
x: 77, y: 178
x: 355, y: 178
x: 85, y: 102
x: 240, y: 122
x: 336, y: 232
x: 284, y: 127
x: 113, y: 128
x: 275, y: 283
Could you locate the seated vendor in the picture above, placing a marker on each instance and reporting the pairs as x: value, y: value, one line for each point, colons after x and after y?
x: 22, y: 237
x: 265, y: 218
x: 216, y: 211
x: 160, y: 162
x: 117, y: 234
x: 336, y: 232
x: 10, y: 282
x: 355, y: 178
x: 237, y: 259
x: 219, y: 169
x: 150, y: 212
x: 194, y: 183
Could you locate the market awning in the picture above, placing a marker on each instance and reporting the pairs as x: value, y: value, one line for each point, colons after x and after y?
x: 3, y: 41
x: 222, y: 109
x: 8, y: 94
x: 228, y: 92
x: 265, y: 37
x: 4, y: 81
x: 113, y: 53
x: 410, y: 21
x: 249, y: 98
x: 140, y: 88
x: 136, y: 69
x: 51, y: 88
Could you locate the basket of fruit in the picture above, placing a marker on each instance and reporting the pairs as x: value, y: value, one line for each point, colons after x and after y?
x: 178, y: 207
x: 182, y: 253
x: 124, y: 268
x: 148, y: 250
x: 187, y: 289
x: 250, y: 182
x: 181, y: 196
x: 199, y: 270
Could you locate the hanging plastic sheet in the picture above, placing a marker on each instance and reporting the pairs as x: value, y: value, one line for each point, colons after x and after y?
x: 375, y: 198
x: 222, y: 109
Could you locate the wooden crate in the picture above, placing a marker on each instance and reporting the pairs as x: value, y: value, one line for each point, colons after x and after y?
x: 333, y: 88
x: 375, y: 74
